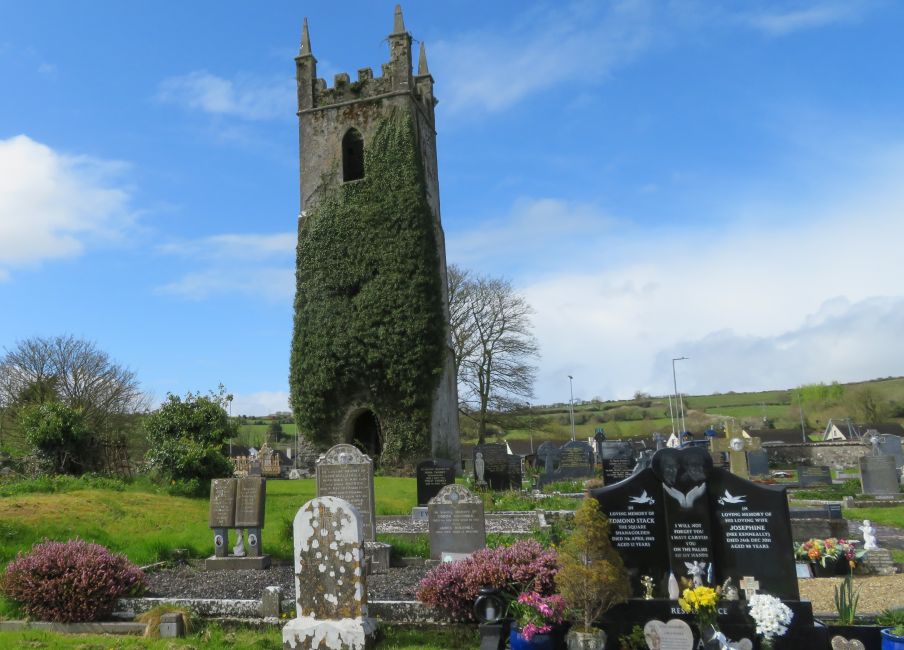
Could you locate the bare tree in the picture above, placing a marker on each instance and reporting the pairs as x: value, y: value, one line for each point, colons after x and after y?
x: 73, y: 371
x: 492, y: 343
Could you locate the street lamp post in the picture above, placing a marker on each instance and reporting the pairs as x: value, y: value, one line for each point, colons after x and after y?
x: 571, y: 404
x: 680, y: 404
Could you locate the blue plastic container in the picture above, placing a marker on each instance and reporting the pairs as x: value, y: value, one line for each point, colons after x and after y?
x: 891, y: 641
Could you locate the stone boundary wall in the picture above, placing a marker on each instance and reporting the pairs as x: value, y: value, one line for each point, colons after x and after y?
x: 833, y: 454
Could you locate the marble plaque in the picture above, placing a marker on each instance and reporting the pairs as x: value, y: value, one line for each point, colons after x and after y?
x: 347, y: 473
x: 250, y: 502
x: 222, y: 503
x: 432, y: 476
x: 674, y: 635
x: 456, y: 522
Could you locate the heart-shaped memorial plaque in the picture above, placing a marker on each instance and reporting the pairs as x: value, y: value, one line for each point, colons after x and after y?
x: 674, y: 635
x: 840, y: 643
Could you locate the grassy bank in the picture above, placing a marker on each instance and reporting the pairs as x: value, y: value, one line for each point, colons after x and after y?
x: 146, y: 525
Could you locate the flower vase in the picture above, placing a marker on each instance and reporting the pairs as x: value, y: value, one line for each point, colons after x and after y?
x: 827, y: 571
x: 553, y: 640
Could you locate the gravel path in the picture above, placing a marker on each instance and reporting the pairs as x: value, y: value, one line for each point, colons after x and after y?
x: 191, y: 581
x: 876, y: 593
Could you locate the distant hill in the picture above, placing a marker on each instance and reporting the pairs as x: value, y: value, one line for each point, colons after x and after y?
x: 879, y: 400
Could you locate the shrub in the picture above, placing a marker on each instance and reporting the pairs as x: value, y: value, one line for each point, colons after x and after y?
x: 523, y: 566
x: 70, y: 581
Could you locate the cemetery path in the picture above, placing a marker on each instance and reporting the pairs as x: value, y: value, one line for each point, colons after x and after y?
x: 886, y: 536
x: 190, y: 581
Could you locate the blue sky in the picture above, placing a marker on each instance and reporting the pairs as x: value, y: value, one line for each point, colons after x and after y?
x: 716, y: 180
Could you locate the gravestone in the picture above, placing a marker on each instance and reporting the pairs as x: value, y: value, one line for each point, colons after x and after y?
x: 575, y: 461
x: 237, y: 503
x: 617, y: 458
x: 598, y: 439
x: 758, y: 462
x: 682, y: 519
x: 814, y: 475
x: 456, y: 523
x: 491, y: 468
x: 330, y: 581
x: 432, y: 476
x: 737, y: 447
x: 878, y: 475
x: 548, y: 453
x: 890, y: 445
x: 683, y: 513
x: 347, y: 473
x: 516, y: 475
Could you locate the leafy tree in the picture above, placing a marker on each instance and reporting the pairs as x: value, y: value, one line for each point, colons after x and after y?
x: 75, y: 372
x: 867, y: 406
x: 492, y: 345
x: 59, y: 434
x: 186, y: 437
x: 274, y: 431
x: 592, y: 576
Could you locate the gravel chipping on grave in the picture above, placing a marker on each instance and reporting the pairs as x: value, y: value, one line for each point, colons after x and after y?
x: 877, y: 593
x: 191, y: 581
x: 496, y: 522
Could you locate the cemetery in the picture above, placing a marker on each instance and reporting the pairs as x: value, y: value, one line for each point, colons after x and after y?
x: 399, y: 516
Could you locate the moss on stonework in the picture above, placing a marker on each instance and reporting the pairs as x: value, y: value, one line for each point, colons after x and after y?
x: 369, y: 323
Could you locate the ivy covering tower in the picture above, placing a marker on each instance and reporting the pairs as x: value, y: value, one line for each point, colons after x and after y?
x: 370, y: 362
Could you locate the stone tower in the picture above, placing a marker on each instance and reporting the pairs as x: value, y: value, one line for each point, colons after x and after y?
x: 371, y: 361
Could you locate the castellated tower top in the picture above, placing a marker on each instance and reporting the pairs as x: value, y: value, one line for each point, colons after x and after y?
x: 396, y: 75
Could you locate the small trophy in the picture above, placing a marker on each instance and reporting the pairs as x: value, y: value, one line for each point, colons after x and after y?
x: 647, y: 583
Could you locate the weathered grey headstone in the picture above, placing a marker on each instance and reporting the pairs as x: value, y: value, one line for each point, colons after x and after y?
x: 239, y: 504
x: 758, y: 462
x: 456, y: 522
x: 330, y: 581
x: 878, y: 475
x: 250, y: 502
x: 222, y: 513
x: 548, y: 453
x: 345, y: 472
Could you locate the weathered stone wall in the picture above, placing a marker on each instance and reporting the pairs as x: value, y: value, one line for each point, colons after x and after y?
x: 833, y: 454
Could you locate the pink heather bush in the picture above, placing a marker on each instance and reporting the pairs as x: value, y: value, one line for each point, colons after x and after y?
x: 454, y: 586
x: 70, y: 581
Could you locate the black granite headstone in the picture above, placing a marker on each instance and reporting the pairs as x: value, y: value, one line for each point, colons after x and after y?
x: 682, y: 510
x: 575, y: 461
x: 515, y: 473
x: 617, y: 459
x: 432, y: 476
x: 491, y: 466
x: 813, y: 475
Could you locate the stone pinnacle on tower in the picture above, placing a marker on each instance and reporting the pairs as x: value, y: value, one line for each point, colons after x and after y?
x: 422, y: 62
x: 305, y: 40
x: 398, y: 25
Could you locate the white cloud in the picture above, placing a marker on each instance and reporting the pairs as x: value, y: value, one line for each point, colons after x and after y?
x: 257, y: 265
x: 260, y: 403
x: 783, y: 292
x: 491, y: 71
x: 813, y: 15
x: 532, y: 228
x: 52, y: 205
x: 246, y: 96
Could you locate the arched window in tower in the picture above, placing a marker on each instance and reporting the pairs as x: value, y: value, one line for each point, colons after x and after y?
x: 352, y: 156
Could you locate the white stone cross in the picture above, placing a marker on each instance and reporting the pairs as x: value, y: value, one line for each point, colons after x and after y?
x: 749, y: 587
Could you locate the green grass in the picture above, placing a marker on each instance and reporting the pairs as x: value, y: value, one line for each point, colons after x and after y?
x: 849, y: 488
x: 893, y: 516
x: 146, y: 525
x: 213, y: 637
